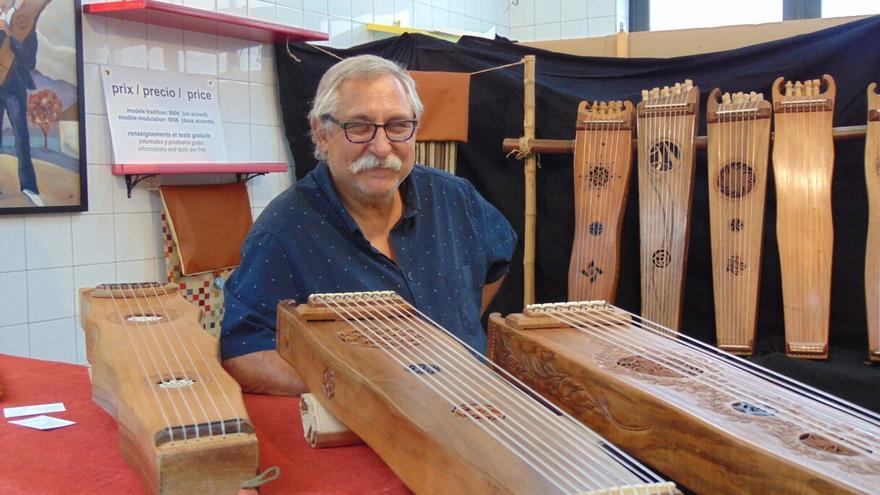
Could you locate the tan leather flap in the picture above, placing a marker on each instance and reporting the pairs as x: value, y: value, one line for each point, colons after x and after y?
x: 445, y: 96
x: 209, y: 224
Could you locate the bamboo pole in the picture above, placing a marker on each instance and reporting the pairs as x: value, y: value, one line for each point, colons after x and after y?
x: 530, y: 184
x: 562, y: 146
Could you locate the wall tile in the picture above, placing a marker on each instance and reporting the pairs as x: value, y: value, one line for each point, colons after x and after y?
x: 89, y: 276
x: 98, y: 145
x: 261, y: 67
x: 293, y: 4
x: 144, y: 197
x: 403, y: 12
x: 141, y: 271
x: 458, y: 6
x: 165, y: 48
x: 317, y: 6
x: 128, y: 43
x: 96, y: 47
x: 233, y: 7
x: 209, y: 5
x: 340, y: 32
x: 601, y: 26
x: 100, y: 189
x: 600, y: 8
x: 235, y: 102
x: 13, y: 298
x: 138, y: 236
x: 50, y: 294
x: 201, y: 53
x: 361, y: 11
x: 54, y: 340
x: 574, y: 29
x: 232, y: 58
x: 422, y: 16
x: 473, y: 8
x: 48, y: 241
x: 383, y: 11
x: 441, y: 4
x: 12, y: 243
x: 340, y: 8
x: 265, y: 108
x: 238, y: 142
x: 457, y: 21
x: 547, y: 12
x: 264, y: 143
x: 359, y: 34
x: 15, y: 340
x: 289, y: 17
x: 439, y: 18
x: 93, y: 90
x: 262, y: 11
x: 93, y: 239
x: 547, y: 31
x: 573, y: 9
x: 522, y: 14
x: 522, y: 33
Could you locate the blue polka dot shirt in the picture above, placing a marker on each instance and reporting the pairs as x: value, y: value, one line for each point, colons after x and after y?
x: 449, y: 242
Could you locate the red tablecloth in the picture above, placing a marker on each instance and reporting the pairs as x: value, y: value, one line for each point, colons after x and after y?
x: 84, y: 458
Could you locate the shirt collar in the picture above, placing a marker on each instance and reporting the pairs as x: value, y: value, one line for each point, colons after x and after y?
x: 324, y: 182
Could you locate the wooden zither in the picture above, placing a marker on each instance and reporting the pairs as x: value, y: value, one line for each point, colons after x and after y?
x: 182, y: 422
x: 602, y: 157
x: 710, y: 420
x: 803, y: 162
x: 872, y: 253
x: 441, y: 419
x: 666, y: 128
x: 739, y: 144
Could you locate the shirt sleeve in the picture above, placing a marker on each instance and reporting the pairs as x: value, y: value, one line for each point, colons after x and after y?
x: 252, y: 294
x: 498, y: 237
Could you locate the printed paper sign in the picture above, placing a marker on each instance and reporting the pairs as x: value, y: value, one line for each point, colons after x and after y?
x: 163, y: 117
x: 14, y: 412
x: 43, y: 422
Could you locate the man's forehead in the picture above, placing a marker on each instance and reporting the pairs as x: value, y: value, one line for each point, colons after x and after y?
x: 353, y: 93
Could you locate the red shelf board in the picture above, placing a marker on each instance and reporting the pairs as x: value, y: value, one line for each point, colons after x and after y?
x: 192, y: 19
x: 196, y: 168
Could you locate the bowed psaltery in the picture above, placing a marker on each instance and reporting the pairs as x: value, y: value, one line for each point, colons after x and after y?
x: 182, y: 422
x: 666, y: 128
x: 739, y: 142
x: 710, y: 420
x: 803, y: 162
x: 441, y: 419
x: 602, y: 157
x: 872, y: 254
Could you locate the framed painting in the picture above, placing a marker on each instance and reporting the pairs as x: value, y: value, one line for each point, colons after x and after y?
x: 42, y: 135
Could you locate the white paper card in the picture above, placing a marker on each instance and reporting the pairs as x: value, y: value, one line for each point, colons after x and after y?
x: 43, y: 422
x: 14, y: 412
x: 163, y: 117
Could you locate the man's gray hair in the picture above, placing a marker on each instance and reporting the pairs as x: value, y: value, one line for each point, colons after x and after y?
x: 361, y: 67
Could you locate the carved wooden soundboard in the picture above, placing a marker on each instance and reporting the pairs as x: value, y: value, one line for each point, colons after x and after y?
x: 666, y: 129
x: 739, y: 143
x: 712, y: 422
x: 442, y: 420
x: 872, y: 253
x: 182, y: 421
x: 803, y: 162
x: 602, y: 160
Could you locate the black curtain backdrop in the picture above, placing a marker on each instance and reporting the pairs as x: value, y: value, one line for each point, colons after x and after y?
x: 850, y: 53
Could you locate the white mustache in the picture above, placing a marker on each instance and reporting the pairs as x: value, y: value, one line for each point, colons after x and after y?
x: 371, y: 161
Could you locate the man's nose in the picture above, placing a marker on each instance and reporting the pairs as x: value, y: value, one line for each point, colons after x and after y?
x: 380, y: 145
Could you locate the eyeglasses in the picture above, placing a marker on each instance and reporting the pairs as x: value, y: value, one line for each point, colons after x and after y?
x: 397, y: 131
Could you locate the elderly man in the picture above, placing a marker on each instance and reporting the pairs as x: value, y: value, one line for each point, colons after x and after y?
x: 366, y: 218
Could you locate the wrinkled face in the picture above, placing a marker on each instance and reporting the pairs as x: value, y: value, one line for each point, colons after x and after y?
x: 368, y: 172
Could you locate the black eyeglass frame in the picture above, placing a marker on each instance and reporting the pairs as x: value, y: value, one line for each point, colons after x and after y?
x: 344, y: 126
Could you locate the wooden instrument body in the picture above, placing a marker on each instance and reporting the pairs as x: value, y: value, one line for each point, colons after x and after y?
x: 803, y: 163
x: 393, y: 404
x: 24, y: 21
x: 682, y: 428
x: 666, y: 154
x: 872, y: 252
x: 602, y: 160
x: 130, y: 362
x: 739, y: 143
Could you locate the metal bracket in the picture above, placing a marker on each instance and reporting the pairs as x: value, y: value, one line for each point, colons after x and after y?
x: 132, y: 180
x: 244, y: 176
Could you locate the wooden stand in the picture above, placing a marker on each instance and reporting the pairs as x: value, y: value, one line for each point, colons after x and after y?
x: 182, y: 422
x: 872, y: 252
x: 803, y: 162
x: 739, y: 142
x: 667, y: 127
x: 602, y: 159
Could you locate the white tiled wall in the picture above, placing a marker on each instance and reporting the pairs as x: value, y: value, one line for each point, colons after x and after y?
x: 45, y: 258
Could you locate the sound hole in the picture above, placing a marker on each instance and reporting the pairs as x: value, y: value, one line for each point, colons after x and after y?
x: 423, y: 369
x: 475, y: 410
x: 596, y: 228
x: 752, y: 410
x: 664, y: 155
x: 736, y: 180
x: 592, y: 271
x: 824, y: 444
x: 599, y: 177
x: 381, y: 337
x: 175, y: 382
x: 149, y: 318
x: 735, y: 265
x: 661, y: 258
x: 736, y: 225
x: 646, y: 366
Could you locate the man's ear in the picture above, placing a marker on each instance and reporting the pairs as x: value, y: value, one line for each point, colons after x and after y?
x: 322, y: 137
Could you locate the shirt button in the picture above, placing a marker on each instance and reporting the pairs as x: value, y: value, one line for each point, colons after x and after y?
x: 410, y: 276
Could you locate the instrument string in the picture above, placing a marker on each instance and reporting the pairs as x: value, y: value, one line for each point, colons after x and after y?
x: 614, y: 199
x: 152, y: 328
x: 581, y: 321
x: 463, y: 365
x: 140, y: 360
x: 203, y: 381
